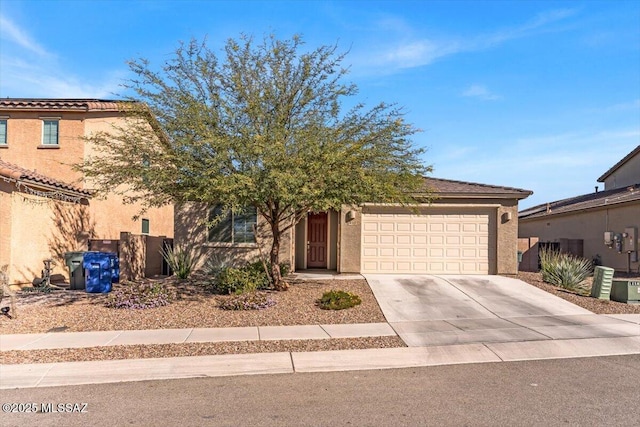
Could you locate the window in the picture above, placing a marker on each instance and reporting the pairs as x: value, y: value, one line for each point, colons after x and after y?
x: 233, y: 227
x: 145, y: 226
x: 3, y: 132
x: 50, y: 132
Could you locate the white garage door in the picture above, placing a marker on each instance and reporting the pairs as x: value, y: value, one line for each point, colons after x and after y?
x: 437, y: 242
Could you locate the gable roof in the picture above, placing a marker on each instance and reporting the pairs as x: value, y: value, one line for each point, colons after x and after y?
x: 617, y: 166
x: 24, y: 177
x: 59, y: 104
x: 447, y: 188
x: 584, y: 202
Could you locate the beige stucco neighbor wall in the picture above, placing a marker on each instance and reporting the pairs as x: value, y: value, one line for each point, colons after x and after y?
x: 39, y: 229
x: 25, y: 149
x: 627, y: 174
x: 110, y: 215
x: 589, y: 226
x: 32, y: 232
x: 191, y: 232
x: 5, y: 223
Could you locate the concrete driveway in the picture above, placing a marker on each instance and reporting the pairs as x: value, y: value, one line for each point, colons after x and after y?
x: 444, y: 310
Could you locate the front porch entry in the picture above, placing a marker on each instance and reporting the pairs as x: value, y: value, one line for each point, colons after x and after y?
x: 316, y: 241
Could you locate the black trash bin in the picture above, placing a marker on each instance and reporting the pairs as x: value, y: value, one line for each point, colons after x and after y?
x: 73, y: 260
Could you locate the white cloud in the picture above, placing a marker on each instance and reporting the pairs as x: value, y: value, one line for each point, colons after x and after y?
x: 29, y: 69
x: 12, y: 32
x: 481, y: 92
x: 553, y: 166
x: 411, y: 51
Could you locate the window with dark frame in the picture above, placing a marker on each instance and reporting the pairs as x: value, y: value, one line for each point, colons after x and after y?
x: 145, y: 226
x: 3, y: 132
x: 50, y: 132
x: 233, y: 227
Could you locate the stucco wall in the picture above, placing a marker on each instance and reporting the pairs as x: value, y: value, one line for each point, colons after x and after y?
x: 24, y: 144
x: 110, y: 215
x: 350, y: 243
x: 41, y: 229
x: 5, y: 223
x: 191, y: 232
x: 627, y: 174
x: 31, y: 233
x: 589, y: 226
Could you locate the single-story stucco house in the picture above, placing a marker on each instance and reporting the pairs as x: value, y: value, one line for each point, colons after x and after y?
x: 469, y: 228
x: 602, y: 225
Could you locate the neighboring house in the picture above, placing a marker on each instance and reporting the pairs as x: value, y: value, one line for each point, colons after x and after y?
x: 46, y: 209
x: 602, y: 226
x: 469, y: 229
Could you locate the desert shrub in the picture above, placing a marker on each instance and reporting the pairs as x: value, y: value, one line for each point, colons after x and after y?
x: 258, y: 268
x: 338, y: 300
x: 250, y: 278
x: 215, y: 263
x: 236, y: 281
x: 564, y: 270
x: 180, y: 260
x: 248, y: 301
x: 140, y: 296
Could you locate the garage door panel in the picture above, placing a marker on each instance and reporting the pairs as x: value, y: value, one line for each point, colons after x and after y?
x: 403, y: 239
x: 419, y: 240
x: 419, y: 227
x: 438, y: 243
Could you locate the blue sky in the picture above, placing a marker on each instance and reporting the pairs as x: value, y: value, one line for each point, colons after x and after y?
x: 541, y: 95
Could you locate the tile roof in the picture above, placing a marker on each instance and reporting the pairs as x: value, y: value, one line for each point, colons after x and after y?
x: 18, y: 174
x: 615, y: 167
x: 583, y: 202
x: 40, y: 104
x: 450, y: 188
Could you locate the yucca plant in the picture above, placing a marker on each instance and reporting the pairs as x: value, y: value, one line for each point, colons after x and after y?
x: 564, y: 270
x: 180, y: 260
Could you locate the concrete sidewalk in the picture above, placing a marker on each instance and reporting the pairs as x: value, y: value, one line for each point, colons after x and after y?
x: 490, y: 343
x: 55, y: 340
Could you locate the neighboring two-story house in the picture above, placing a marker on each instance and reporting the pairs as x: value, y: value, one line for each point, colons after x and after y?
x: 602, y: 225
x: 46, y: 209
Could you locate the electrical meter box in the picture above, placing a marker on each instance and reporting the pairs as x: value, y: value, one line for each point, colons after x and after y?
x: 608, y: 238
x: 630, y: 237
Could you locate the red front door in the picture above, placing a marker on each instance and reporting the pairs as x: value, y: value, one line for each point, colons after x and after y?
x: 317, y: 240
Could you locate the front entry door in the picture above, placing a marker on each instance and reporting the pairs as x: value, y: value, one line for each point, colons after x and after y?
x: 317, y: 240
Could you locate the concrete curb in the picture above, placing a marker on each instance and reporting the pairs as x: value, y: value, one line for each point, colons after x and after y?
x: 112, y: 371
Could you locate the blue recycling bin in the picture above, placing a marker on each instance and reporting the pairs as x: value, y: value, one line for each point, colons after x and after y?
x: 98, y: 272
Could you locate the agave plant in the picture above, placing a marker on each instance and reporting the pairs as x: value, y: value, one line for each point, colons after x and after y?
x: 564, y: 270
x: 180, y: 260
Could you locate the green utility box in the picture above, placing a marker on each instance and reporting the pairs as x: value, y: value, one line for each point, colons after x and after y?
x: 602, y: 279
x: 626, y: 291
x: 73, y: 260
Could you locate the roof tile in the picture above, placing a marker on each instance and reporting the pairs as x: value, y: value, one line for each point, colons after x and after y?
x: 9, y: 170
x: 444, y: 187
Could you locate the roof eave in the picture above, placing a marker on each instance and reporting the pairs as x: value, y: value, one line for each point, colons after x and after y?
x: 572, y: 211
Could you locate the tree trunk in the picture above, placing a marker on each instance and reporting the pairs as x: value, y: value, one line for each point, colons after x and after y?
x: 274, y: 258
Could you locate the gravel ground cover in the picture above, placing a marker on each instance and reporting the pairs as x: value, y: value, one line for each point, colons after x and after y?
x: 72, y: 311
x: 76, y: 311
x: 594, y: 305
